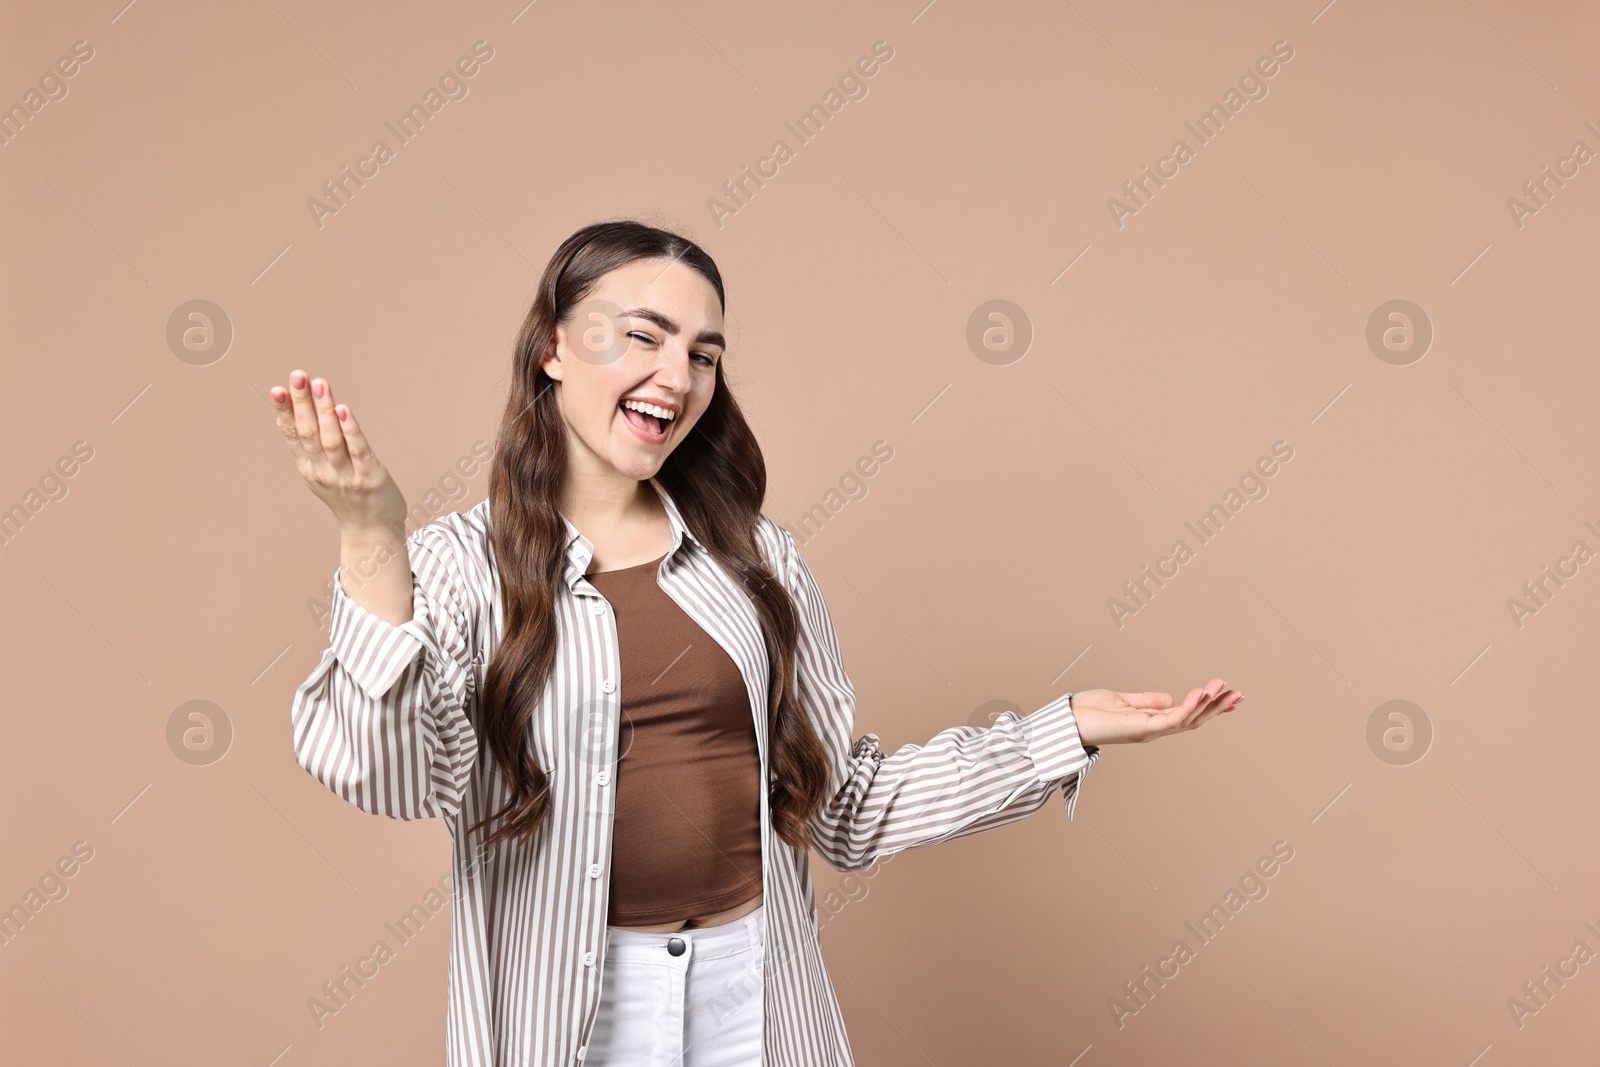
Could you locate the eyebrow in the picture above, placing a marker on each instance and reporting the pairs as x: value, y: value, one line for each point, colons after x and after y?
x: 652, y: 315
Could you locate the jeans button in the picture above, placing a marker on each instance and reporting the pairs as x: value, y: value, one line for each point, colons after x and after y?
x: 676, y: 946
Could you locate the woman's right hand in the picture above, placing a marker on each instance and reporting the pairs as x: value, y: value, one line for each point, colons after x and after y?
x: 335, y: 459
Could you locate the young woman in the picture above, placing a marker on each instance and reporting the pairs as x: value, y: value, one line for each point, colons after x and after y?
x: 617, y: 682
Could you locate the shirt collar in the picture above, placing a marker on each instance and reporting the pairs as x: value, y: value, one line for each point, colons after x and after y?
x: 580, y: 550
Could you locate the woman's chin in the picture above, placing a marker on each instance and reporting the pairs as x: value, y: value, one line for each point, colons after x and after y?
x: 638, y: 466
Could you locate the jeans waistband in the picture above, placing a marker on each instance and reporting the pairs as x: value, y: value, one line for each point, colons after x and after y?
x: 732, y: 936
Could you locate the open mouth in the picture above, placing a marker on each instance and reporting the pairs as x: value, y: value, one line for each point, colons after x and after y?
x: 652, y: 428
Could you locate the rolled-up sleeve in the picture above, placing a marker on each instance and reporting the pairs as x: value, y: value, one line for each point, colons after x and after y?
x: 965, y: 779
x: 382, y: 719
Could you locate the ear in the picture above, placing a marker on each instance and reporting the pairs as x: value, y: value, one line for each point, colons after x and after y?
x: 551, y: 364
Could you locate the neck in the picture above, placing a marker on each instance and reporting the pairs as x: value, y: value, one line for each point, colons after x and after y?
x: 606, y: 502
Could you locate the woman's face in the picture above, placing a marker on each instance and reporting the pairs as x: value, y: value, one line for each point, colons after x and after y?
x: 650, y: 331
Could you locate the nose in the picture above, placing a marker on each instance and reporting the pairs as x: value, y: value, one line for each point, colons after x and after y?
x: 672, y: 368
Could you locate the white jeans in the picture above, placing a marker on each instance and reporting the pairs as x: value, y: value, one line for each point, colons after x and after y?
x: 700, y: 1008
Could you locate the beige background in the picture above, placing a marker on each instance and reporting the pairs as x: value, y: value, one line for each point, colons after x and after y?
x: 1228, y: 313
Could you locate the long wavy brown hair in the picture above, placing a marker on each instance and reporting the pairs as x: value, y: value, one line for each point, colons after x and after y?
x: 717, y: 478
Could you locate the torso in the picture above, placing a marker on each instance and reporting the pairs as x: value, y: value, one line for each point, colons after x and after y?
x: 630, y: 549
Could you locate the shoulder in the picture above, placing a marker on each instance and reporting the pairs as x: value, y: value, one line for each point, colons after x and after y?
x: 460, y: 533
x: 776, y: 544
x: 460, y: 542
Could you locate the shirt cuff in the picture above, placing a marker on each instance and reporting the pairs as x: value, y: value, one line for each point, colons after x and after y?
x: 1057, y: 752
x: 374, y: 652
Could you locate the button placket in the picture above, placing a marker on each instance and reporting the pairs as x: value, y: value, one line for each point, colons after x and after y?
x: 599, y: 810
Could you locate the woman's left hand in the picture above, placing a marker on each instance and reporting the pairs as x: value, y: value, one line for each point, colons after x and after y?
x: 1106, y: 717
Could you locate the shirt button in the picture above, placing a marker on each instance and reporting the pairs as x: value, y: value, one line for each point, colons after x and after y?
x: 607, y: 686
x: 603, y: 777
x: 588, y: 959
x: 594, y: 870
x: 583, y: 1051
x: 598, y: 608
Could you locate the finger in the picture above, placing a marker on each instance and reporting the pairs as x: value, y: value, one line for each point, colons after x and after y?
x: 1199, y: 700
x: 355, y: 440
x: 1210, y: 691
x: 1210, y: 712
x: 283, y: 404
x: 1184, y: 714
x: 331, y: 435
x: 305, y: 412
x: 1224, y: 702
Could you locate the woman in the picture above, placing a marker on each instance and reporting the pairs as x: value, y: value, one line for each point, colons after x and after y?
x: 618, y: 684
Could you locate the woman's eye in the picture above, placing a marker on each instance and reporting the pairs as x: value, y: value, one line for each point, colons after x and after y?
x: 708, y: 360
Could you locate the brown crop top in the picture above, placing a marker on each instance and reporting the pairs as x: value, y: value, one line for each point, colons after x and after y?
x: 687, y: 838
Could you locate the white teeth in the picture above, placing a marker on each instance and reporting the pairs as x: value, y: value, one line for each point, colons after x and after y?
x: 650, y: 409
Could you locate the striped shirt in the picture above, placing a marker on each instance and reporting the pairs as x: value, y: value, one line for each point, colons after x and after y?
x: 389, y: 721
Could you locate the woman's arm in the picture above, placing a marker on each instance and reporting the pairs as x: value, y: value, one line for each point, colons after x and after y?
x: 965, y: 779
x: 382, y: 719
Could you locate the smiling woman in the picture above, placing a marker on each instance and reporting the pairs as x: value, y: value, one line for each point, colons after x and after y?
x: 617, y: 679
x: 632, y: 389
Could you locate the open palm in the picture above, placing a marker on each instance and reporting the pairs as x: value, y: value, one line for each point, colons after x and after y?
x: 1107, y: 717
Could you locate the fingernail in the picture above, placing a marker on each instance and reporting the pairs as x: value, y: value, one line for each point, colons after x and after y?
x: 317, y: 387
